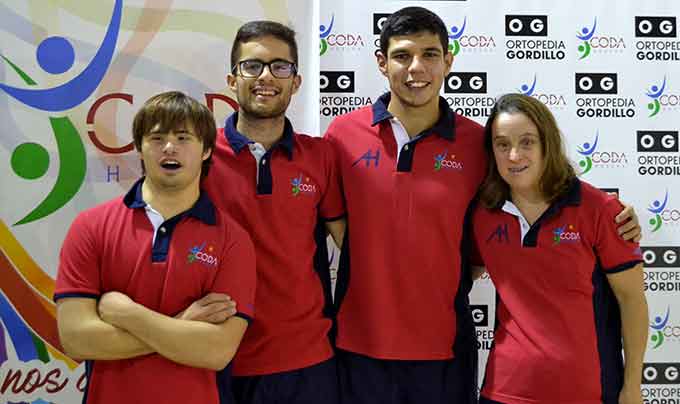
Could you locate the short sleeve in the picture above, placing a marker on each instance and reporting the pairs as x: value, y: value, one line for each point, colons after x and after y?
x: 615, y: 254
x: 79, y: 269
x: 236, y: 275
x: 332, y: 205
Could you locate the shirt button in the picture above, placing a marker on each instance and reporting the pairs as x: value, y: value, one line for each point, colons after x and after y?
x: 405, y: 147
x: 264, y: 161
x: 162, y: 229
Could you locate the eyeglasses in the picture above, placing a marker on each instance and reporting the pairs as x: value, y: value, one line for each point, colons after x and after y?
x: 252, y: 68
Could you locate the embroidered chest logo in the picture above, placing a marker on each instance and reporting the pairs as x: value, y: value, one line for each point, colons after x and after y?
x: 566, y: 234
x: 302, y: 187
x: 499, y: 235
x: 368, y: 158
x: 197, y: 253
x: 446, y: 162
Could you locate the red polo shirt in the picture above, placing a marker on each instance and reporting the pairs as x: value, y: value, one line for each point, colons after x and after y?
x: 280, y: 202
x: 109, y: 248
x: 558, y: 331
x: 404, y: 294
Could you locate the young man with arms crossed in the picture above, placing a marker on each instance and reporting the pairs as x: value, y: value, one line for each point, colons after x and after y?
x: 409, y: 169
x: 131, y: 264
x: 278, y: 184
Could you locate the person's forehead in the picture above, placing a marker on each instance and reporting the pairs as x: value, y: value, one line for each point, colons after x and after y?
x: 421, y: 40
x: 266, y: 48
x: 513, y: 124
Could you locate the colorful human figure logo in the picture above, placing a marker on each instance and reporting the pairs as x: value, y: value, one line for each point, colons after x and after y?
x: 657, y: 208
x: 585, y: 35
x: 528, y: 90
x: 323, y: 34
x: 654, y: 93
x: 454, y: 47
x: 587, y: 150
x: 657, y: 329
x: 30, y: 161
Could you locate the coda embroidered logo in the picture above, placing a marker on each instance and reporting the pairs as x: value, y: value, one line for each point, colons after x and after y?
x: 197, y: 253
x: 302, y: 187
x: 566, y: 234
x: 441, y: 161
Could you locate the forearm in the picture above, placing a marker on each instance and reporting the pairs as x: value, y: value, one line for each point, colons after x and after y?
x: 190, y: 343
x: 97, y: 340
x: 634, y: 323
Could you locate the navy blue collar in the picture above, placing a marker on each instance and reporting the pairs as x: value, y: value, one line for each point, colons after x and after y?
x: 238, y: 141
x: 444, y: 126
x: 203, y: 209
x: 570, y: 198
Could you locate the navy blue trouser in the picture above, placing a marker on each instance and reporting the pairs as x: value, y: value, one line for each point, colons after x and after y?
x: 316, y: 384
x: 365, y: 380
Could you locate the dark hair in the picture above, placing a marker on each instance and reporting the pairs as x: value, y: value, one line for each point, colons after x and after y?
x: 172, y: 110
x: 558, y: 172
x: 258, y: 29
x: 413, y: 20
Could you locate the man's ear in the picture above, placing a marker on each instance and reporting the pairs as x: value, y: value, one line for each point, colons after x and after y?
x: 381, y: 60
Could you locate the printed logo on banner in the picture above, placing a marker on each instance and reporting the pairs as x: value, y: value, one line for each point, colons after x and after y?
x: 662, y: 331
x: 660, y: 99
x: 658, y: 41
x: 197, y: 253
x: 658, y: 275
x: 473, y: 83
x: 566, y: 234
x: 30, y: 160
x: 537, y: 46
x: 442, y: 162
x: 658, y: 152
x: 662, y: 214
x: 592, y: 157
x: 480, y: 317
x: 596, y: 97
x: 332, y: 40
x: 551, y: 100
x: 461, y: 40
x: 591, y: 43
x: 302, y: 187
x: 661, y: 373
x: 657, y: 381
x: 339, y: 82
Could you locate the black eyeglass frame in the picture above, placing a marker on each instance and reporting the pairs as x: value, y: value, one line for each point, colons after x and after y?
x: 238, y: 68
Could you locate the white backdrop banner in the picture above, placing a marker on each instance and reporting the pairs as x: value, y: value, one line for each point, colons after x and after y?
x: 73, y: 73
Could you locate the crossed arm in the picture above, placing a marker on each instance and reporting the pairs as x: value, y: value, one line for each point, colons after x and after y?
x: 118, y: 328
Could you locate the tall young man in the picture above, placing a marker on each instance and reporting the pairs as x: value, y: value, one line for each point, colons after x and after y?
x: 131, y: 264
x: 279, y: 185
x: 409, y: 168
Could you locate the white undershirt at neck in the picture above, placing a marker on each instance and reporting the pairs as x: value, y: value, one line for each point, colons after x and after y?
x: 400, y: 134
x: 156, y: 220
x: 258, y: 151
x: 524, y: 225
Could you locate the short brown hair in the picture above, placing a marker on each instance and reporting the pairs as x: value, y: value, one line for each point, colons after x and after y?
x: 558, y: 172
x: 254, y: 30
x: 172, y: 110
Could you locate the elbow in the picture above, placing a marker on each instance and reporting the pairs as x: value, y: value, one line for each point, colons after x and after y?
x: 71, y: 347
x: 220, y: 360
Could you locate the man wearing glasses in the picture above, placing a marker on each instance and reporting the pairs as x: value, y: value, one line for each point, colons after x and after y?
x: 279, y: 185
